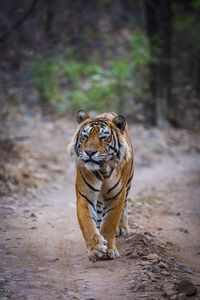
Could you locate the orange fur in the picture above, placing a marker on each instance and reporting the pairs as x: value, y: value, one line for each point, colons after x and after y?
x: 104, y: 171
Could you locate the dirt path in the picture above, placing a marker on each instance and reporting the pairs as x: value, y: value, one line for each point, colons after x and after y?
x: 43, y: 255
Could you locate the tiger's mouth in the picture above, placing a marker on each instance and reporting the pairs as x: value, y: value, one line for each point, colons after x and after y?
x: 92, y: 165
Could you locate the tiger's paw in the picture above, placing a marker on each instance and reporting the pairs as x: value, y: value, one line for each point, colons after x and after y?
x: 99, y: 251
x: 122, y: 231
x: 112, y: 254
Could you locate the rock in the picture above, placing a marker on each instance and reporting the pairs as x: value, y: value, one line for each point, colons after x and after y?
x: 51, y: 258
x: 33, y: 228
x: 165, y: 273
x: 153, y: 257
x: 169, y: 289
x: 147, y: 233
x: 186, y: 287
x: 33, y: 215
x: 184, y: 230
x: 65, y: 291
x: 2, y: 281
x: 145, y: 263
x: 163, y: 265
x: 185, y: 269
x: 159, y: 228
x: 171, y: 261
x: 139, y: 287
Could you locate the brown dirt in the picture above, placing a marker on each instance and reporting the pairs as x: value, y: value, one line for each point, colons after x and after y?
x: 43, y: 255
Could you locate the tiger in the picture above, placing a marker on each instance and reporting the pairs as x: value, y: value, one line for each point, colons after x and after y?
x: 104, y: 171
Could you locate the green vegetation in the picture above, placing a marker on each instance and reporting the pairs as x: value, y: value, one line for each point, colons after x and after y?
x: 74, y: 84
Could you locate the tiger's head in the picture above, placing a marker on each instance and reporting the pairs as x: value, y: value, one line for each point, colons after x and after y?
x: 99, y: 141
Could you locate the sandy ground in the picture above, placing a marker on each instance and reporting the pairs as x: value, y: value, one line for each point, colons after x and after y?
x: 43, y: 254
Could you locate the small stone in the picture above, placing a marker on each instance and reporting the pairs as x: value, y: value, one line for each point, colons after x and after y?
x: 65, y: 291
x: 185, y: 269
x: 165, y: 273
x: 186, y: 287
x: 153, y: 257
x: 163, y: 265
x: 51, y: 258
x: 168, y: 289
x: 33, y: 215
x: 145, y: 263
x: 140, y: 287
x: 171, y: 261
x: 184, y: 230
x: 2, y: 281
x: 147, y: 233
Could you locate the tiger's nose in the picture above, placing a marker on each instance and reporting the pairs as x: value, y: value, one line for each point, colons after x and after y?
x: 90, y: 153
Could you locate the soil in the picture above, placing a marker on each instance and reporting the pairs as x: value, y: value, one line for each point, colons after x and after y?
x: 43, y: 254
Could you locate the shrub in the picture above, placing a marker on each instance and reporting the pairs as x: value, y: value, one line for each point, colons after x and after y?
x: 93, y: 87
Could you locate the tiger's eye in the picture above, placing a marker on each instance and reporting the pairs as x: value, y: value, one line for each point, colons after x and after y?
x: 105, y: 138
x: 84, y: 136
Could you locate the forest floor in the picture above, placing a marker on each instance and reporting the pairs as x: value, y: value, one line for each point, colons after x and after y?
x: 43, y: 254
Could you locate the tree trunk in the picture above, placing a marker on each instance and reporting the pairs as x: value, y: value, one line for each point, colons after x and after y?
x: 158, y: 17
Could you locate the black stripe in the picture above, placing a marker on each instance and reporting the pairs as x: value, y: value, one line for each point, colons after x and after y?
x: 115, y: 195
x: 116, y: 143
x: 99, y: 211
x: 88, y: 184
x: 75, y: 147
x: 94, y: 219
x: 114, y: 140
x: 128, y: 189
x: 91, y: 203
x: 107, y: 211
x: 112, y: 188
x: 111, y: 147
x: 98, y: 175
x: 99, y: 122
x: 119, y: 146
x: 129, y: 180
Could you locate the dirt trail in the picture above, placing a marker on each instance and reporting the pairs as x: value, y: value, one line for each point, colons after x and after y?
x: 46, y: 257
x: 43, y: 255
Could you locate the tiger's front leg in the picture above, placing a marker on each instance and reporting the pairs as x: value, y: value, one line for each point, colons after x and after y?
x: 110, y: 223
x: 86, y: 213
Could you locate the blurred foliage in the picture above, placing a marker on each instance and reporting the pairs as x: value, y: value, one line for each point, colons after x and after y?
x: 67, y: 76
x: 66, y: 83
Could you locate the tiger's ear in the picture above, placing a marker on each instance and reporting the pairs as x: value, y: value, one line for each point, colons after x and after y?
x: 81, y: 116
x: 120, y: 122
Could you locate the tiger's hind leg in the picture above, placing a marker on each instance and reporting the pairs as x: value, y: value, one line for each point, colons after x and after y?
x: 123, y: 228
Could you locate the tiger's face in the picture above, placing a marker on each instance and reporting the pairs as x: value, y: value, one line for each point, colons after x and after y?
x: 98, y: 141
x: 95, y: 145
